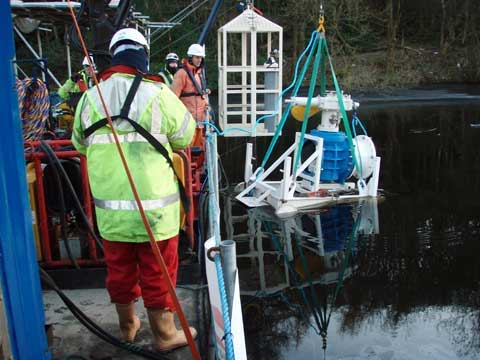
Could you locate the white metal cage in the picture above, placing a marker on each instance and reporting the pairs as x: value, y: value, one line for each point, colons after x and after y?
x: 250, y: 49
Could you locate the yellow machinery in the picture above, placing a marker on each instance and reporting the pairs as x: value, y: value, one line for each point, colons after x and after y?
x: 180, y: 170
x: 65, y: 115
x: 31, y: 179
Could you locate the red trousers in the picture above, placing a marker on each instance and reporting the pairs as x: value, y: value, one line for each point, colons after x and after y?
x: 132, y: 271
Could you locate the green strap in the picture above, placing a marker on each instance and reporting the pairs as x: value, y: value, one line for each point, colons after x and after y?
x: 346, y: 125
x: 311, y: 89
x: 323, y: 73
x: 289, y: 107
x: 322, y: 324
x: 346, y: 259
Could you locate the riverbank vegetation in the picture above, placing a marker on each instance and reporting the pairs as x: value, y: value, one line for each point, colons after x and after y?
x: 375, y: 43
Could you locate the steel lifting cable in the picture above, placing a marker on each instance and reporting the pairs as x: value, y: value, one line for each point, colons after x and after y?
x: 179, y: 20
x: 180, y: 13
x: 175, y: 17
x: 34, y: 106
x: 156, y: 251
x: 169, y: 45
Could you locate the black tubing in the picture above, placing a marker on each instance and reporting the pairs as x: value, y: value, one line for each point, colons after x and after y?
x: 63, y: 223
x: 50, y: 153
x: 97, y: 330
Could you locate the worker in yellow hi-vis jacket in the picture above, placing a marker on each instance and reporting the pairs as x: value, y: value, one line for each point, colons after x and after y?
x: 132, y: 270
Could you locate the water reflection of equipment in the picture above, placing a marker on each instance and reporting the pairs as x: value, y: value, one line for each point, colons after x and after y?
x: 302, y: 261
x: 321, y: 236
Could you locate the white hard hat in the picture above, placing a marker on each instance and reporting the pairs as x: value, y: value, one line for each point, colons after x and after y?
x: 85, y: 61
x: 129, y: 34
x: 196, y: 50
x: 172, y: 57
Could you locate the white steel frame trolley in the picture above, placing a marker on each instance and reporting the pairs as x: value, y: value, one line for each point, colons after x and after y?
x: 303, y: 189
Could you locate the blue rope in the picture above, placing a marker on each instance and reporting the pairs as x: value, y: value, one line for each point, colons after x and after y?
x: 204, y: 183
x: 222, y: 133
x: 225, y: 312
x: 356, y: 121
x: 213, y: 213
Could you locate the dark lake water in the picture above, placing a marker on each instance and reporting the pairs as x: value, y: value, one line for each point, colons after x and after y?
x: 397, y: 278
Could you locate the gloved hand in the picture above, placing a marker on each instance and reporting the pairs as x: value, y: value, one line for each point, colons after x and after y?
x: 75, y: 77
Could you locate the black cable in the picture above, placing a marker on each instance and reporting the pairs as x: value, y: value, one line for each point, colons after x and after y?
x: 63, y: 212
x: 200, y: 236
x: 122, y: 12
x: 49, y: 152
x: 71, y: 36
x: 97, y: 330
x: 202, y: 229
x: 224, y: 173
x: 195, y: 30
x: 233, y: 149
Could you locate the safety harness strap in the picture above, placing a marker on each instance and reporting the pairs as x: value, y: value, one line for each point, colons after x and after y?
x: 97, y: 125
x: 142, y: 131
x: 200, y: 89
x: 123, y: 112
x: 131, y: 95
x: 161, y: 149
x: 187, y: 94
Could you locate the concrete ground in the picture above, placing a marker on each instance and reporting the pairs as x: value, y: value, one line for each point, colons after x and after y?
x: 72, y: 338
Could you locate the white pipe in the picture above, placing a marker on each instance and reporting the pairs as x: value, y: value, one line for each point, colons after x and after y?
x: 19, y: 68
x: 229, y: 265
x: 32, y: 50
x: 40, y: 51
x: 60, y: 5
x: 69, y: 59
x: 329, y: 102
x: 43, y: 5
x: 248, y: 163
x: 287, y: 166
x: 267, y: 172
x: 15, y: 71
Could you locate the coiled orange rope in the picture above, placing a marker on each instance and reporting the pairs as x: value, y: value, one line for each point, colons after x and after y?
x: 34, y: 106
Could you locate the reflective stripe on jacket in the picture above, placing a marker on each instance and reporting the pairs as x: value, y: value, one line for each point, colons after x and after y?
x: 159, y: 111
x: 182, y: 84
x: 166, y: 76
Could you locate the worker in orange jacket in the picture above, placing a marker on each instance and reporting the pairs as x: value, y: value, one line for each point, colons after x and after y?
x: 190, y: 86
